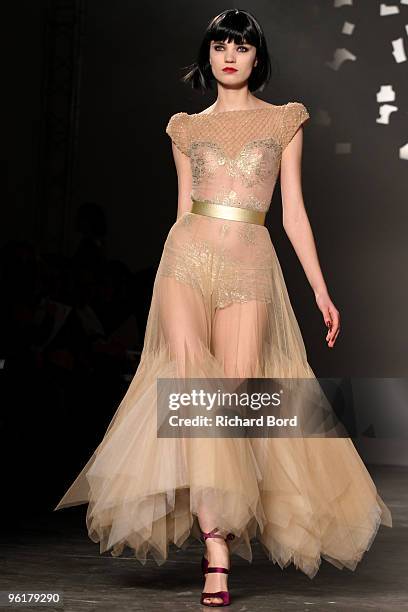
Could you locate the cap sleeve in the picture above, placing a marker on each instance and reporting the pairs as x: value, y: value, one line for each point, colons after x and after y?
x: 295, y: 113
x: 177, y: 129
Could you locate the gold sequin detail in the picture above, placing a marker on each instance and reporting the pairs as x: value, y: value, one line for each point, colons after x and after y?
x: 187, y: 264
x: 178, y: 130
x: 255, y: 163
x: 295, y: 113
x: 214, y: 272
x: 205, y: 159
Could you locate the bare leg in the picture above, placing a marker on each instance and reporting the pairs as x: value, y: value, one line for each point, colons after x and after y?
x: 185, y: 327
x: 238, y: 336
x: 236, y: 343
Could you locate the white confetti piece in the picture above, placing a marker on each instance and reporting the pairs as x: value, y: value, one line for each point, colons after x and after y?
x: 341, y: 56
x: 385, y: 112
x: 339, y: 3
x: 386, y: 94
x: 399, y: 51
x: 386, y: 10
x: 348, y: 28
x: 403, y: 152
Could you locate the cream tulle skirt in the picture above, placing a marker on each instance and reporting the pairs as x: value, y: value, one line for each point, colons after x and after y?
x: 220, y: 309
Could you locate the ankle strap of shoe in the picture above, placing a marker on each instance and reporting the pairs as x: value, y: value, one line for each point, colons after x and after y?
x: 212, y: 534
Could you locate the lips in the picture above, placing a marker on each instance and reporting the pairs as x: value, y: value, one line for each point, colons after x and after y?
x: 229, y: 70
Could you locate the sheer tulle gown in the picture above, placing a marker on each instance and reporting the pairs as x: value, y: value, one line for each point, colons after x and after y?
x: 220, y: 308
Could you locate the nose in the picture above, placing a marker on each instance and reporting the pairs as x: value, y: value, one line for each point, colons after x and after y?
x: 230, y: 57
x: 230, y: 54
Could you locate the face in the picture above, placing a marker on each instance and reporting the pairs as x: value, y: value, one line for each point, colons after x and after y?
x: 232, y: 64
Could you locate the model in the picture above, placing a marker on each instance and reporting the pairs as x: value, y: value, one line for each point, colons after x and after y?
x: 220, y: 309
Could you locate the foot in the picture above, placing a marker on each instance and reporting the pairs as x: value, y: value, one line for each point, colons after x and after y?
x: 218, y: 556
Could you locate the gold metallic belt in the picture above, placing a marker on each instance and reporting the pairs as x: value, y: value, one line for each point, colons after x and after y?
x: 232, y: 213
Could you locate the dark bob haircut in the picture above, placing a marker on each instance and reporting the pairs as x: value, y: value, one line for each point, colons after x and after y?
x: 241, y: 27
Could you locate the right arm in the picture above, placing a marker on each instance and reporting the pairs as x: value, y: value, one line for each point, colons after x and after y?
x: 178, y: 130
x: 184, y: 180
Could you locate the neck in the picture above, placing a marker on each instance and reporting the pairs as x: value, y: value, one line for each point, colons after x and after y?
x: 234, y: 99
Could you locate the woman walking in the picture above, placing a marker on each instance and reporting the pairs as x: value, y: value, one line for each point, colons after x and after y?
x: 220, y: 309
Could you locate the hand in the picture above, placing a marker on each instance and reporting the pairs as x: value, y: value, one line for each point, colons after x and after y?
x: 331, y: 317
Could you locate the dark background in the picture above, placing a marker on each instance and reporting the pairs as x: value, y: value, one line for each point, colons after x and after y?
x: 88, y: 88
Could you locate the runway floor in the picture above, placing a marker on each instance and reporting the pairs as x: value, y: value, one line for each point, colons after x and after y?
x: 52, y: 553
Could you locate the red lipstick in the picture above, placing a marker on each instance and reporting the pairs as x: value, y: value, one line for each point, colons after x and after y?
x: 229, y: 69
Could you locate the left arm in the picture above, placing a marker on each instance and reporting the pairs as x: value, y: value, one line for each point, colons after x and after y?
x: 297, y: 227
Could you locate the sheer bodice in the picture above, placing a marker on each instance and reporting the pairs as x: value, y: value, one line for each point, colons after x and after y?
x: 236, y: 155
x: 235, y: 161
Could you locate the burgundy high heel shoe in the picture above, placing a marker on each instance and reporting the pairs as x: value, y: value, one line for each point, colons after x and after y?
x: 224, y: 595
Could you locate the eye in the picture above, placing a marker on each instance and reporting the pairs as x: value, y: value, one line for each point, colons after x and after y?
x: 222, y: 47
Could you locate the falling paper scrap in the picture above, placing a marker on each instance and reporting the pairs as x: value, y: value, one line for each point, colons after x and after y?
x: 385, y: 112
x: 399, y: 51
x: 348, y: 28
x: 403, y: 152
x: 339, y: 3
x: 341, y: 56
x: 386, y: 10
x: 386, y: 94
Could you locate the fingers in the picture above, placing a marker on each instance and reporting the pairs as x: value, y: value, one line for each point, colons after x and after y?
x: 334, y: 326
x: 331, y: 318
x: 333, y: 340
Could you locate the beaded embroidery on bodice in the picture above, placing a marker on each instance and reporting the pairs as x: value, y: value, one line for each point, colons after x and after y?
x: 236, y: 155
